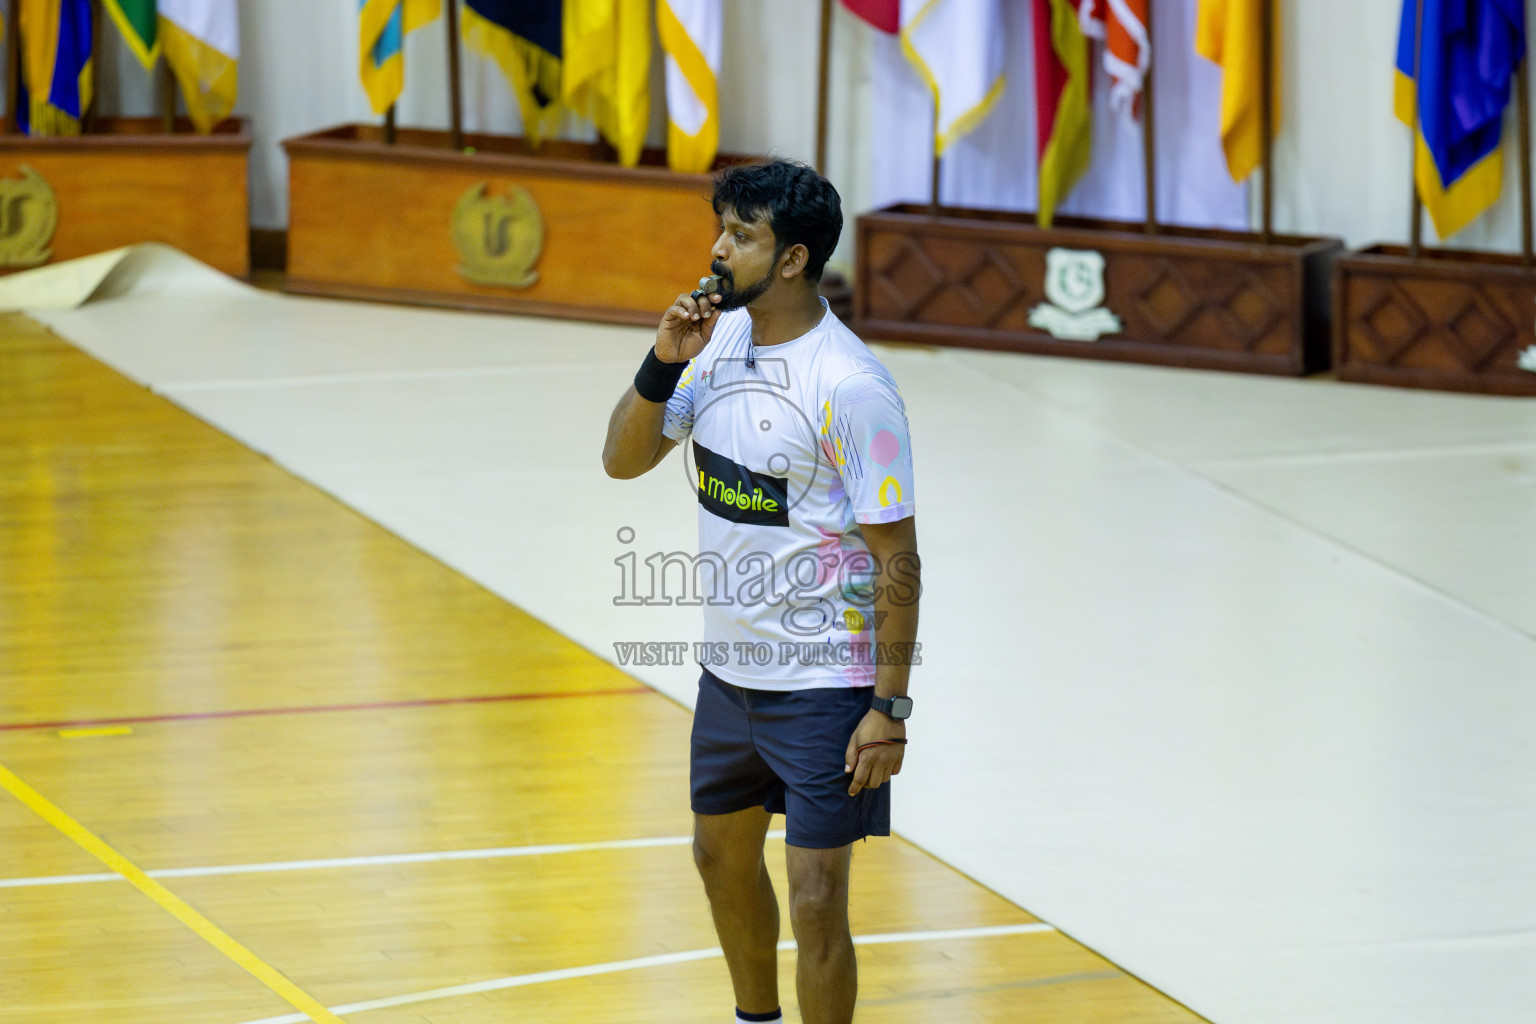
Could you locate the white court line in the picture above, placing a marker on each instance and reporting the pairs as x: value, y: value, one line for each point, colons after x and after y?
x: 662, y: 960
x: 363, y: 862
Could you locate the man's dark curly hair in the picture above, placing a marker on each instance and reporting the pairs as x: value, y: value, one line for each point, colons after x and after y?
x: 799, y: 205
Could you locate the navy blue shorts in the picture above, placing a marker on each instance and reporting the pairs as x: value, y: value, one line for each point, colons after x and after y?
x: 783, y: 751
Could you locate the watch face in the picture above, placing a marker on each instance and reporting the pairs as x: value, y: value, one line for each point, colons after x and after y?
x: 901, y: 707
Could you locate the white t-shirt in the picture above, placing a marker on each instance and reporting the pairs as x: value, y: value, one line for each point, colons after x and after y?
x: 787, y: 457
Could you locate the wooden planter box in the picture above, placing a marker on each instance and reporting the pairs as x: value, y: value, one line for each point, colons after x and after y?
x: 1204, y: 299
x: 1458, y: 321
x: 560, y: 233
x: 129, y: 182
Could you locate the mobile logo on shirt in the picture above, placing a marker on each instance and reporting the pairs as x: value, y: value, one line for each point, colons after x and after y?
x: 732, y: 491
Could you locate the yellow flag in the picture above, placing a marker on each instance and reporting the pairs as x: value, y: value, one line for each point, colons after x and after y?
x: 1228, y: 32
x: 606, y: 68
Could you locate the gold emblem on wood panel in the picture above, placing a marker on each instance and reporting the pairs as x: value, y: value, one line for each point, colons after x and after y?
x: 498, y: 238
x: 29, y: 215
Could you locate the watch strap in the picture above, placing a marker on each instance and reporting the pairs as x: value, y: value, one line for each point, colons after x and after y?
x: 888, y: 706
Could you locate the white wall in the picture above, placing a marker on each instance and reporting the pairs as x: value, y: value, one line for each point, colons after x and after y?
x: 1341, y: 162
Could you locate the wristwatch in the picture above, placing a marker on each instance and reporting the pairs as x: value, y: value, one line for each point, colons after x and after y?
x: 898, y: 708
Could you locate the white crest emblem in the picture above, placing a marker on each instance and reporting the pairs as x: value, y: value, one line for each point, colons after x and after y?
x: 1074, y: 284
x: 1527, y: 360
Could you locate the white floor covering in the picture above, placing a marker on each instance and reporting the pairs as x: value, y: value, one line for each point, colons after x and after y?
x: 1231, y: 678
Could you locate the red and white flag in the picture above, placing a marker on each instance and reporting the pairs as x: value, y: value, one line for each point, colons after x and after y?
x: 1121, y: 26
x: 885, y: 15
x: 998, y: 165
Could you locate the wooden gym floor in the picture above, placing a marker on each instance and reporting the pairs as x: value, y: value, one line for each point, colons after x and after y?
x: 356, y: 779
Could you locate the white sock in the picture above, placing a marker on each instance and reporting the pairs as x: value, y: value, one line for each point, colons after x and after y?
x: 776, y: 1017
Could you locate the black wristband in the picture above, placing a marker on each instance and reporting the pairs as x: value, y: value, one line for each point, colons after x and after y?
x: 656, y: 380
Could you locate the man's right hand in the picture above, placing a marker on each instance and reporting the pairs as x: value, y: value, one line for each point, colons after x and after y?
x: 686, y: 327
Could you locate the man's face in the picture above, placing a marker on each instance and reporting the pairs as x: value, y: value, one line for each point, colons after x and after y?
x: 744, y: 257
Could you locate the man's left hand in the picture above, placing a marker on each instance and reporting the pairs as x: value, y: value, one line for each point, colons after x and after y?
x: 873, y: 768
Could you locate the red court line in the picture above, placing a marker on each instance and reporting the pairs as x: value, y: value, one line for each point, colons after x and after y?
x: 194, y: 716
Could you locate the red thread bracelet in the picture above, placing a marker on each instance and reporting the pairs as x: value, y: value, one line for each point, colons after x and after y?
x: 881, y: 743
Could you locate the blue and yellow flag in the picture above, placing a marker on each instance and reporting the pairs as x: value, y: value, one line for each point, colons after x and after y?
x: 1465, y: 61
x: 525, y: 38
x: 56, y: 50
x: 382, y: 28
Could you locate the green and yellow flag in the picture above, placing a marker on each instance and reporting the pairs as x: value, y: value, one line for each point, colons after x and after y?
x: 138, y: 22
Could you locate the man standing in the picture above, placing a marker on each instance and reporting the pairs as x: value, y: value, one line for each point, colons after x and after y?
x: 803, y: 470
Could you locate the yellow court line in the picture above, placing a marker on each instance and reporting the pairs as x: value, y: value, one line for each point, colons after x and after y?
x: 169, y: 901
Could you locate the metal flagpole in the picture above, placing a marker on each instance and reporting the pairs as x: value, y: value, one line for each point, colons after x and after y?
x: 1149, y: 131
x: 1416, y: 225
x: 389, y: 126
x: 1523, y: 111
x: 13, y: 66
x: 1267, y: 115
x: 933, y: 184
x: 823, y: 85
x: 167, y: 97
x: 88, y: 115
x: 455, y: 87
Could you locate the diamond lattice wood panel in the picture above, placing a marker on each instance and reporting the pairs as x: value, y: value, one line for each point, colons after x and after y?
x: 1460, y: 322
x: 1185, y: 299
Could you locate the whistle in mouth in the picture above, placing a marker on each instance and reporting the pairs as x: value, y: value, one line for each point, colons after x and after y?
x: 707, y: 286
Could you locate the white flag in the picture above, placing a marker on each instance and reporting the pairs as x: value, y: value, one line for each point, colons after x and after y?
x: 957, y: 48
x: 690, y: 32
x: 201, y: 40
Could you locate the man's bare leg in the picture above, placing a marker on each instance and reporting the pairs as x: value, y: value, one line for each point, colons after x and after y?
x: 826, y: 975
x: 728, y: 849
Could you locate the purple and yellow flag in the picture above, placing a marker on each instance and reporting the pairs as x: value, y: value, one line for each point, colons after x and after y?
x: 1453, y: 85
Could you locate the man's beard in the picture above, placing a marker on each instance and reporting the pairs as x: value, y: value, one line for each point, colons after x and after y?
x: 730, y: 297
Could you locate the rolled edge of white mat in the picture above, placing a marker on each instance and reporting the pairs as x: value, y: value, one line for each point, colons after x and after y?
x: 146, y: 267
